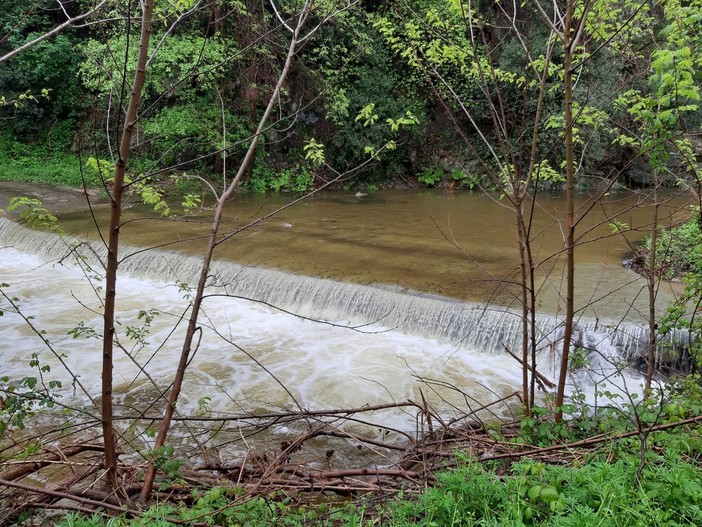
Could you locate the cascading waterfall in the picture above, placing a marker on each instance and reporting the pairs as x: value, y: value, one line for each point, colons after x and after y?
x: 459, y: 342
x: 489, y: 329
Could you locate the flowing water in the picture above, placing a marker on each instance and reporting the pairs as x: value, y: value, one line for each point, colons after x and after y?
x: 412, y: 286
x: 453, y: 244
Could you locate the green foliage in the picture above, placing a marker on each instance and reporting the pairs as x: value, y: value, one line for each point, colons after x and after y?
x: 185, y: 65
x: 430, y: 176
x: 531, y: 493
x: 617, y: 226
x: 296, y: 179
x: 224, y: 506
x: 102, y: 169
x: 461, y: 178
x: 680, y: 253
x: 371, y: 103
x: 539, y: 429
x: 684, y: 314
x: 21, y: 399
x: 42, y: 85
x: 148, y: 189
x: 169, y: 466
x: 314, y: 153
x: 33, y: 211
x: 41, y: 163
x: 367, y: 115
x: 140, y: 186
x: 138, y: 334
x: 23, y: 98
x: 579, y: 358
x: 589, y: 122
x: 62, y: 170
x: 192, y: 130
x: 679, y: 250
x: 672, y: 91
x: 364, y: 61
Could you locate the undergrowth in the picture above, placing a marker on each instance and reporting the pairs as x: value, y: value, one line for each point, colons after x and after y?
x: 63, y: 170
x: 602, y: 492
x: 610, y: 488
x: 648, y: 472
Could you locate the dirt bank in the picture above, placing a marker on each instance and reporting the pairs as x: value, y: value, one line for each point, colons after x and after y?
x: 56, y: 199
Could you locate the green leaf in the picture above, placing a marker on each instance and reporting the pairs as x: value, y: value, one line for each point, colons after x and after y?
x: 534, y: 492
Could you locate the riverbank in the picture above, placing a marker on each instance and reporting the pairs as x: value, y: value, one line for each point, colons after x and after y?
x: 57, y: 199
x: 531, y: 473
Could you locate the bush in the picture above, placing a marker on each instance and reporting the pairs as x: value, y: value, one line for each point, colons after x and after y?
x: 430, y: 176
x: 296, y: 179
x: 679, y: 250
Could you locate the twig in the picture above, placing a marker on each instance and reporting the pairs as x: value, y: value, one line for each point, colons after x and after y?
x: 28, y: 467
x: 590, y: 441
x: 68, y: 496
x: 543, y: 380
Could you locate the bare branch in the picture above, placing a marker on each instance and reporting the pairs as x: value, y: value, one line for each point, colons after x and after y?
x: 53, y: 32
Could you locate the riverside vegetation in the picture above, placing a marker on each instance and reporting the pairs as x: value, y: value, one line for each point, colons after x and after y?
x: 57, y: 95
x: 518, y: 100
x: 594, y: 471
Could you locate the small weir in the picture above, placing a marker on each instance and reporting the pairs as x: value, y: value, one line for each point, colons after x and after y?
x: 488, y: 329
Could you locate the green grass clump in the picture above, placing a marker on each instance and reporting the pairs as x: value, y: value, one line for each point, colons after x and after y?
x: 39, y: 162
x: 599, y: 493
x: 225, y: 506
x: 56, y: 170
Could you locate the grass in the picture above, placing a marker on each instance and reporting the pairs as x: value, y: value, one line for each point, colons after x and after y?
x: 20, y: 162
x: 61, y: 170
x: 601, y: 493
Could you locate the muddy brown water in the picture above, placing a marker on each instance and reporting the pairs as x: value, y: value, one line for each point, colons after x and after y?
x: 448, y: 243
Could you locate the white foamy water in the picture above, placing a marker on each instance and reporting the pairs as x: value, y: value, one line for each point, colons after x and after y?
x: 320, y: 365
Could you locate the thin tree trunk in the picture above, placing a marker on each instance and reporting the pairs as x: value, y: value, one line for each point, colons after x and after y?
x: 570, y: 205
x: 523, y: 265
x: 113, y: 246
x: 207, y: 260
x: 527, y: 235
x: 651, y: 283
x: 532, y: 320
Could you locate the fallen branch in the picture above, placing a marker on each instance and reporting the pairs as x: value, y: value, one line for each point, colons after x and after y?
x: 360, y: 439
x: 69, y: 496
x: 540, y: 378
x: 44, y: 500
x: 22, y: 468
x: 281, y: 415
x: 591, y: 441
x: 358, y: 472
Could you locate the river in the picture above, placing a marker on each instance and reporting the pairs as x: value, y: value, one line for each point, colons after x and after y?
x: 454, y: 244
x: 411, y: 284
